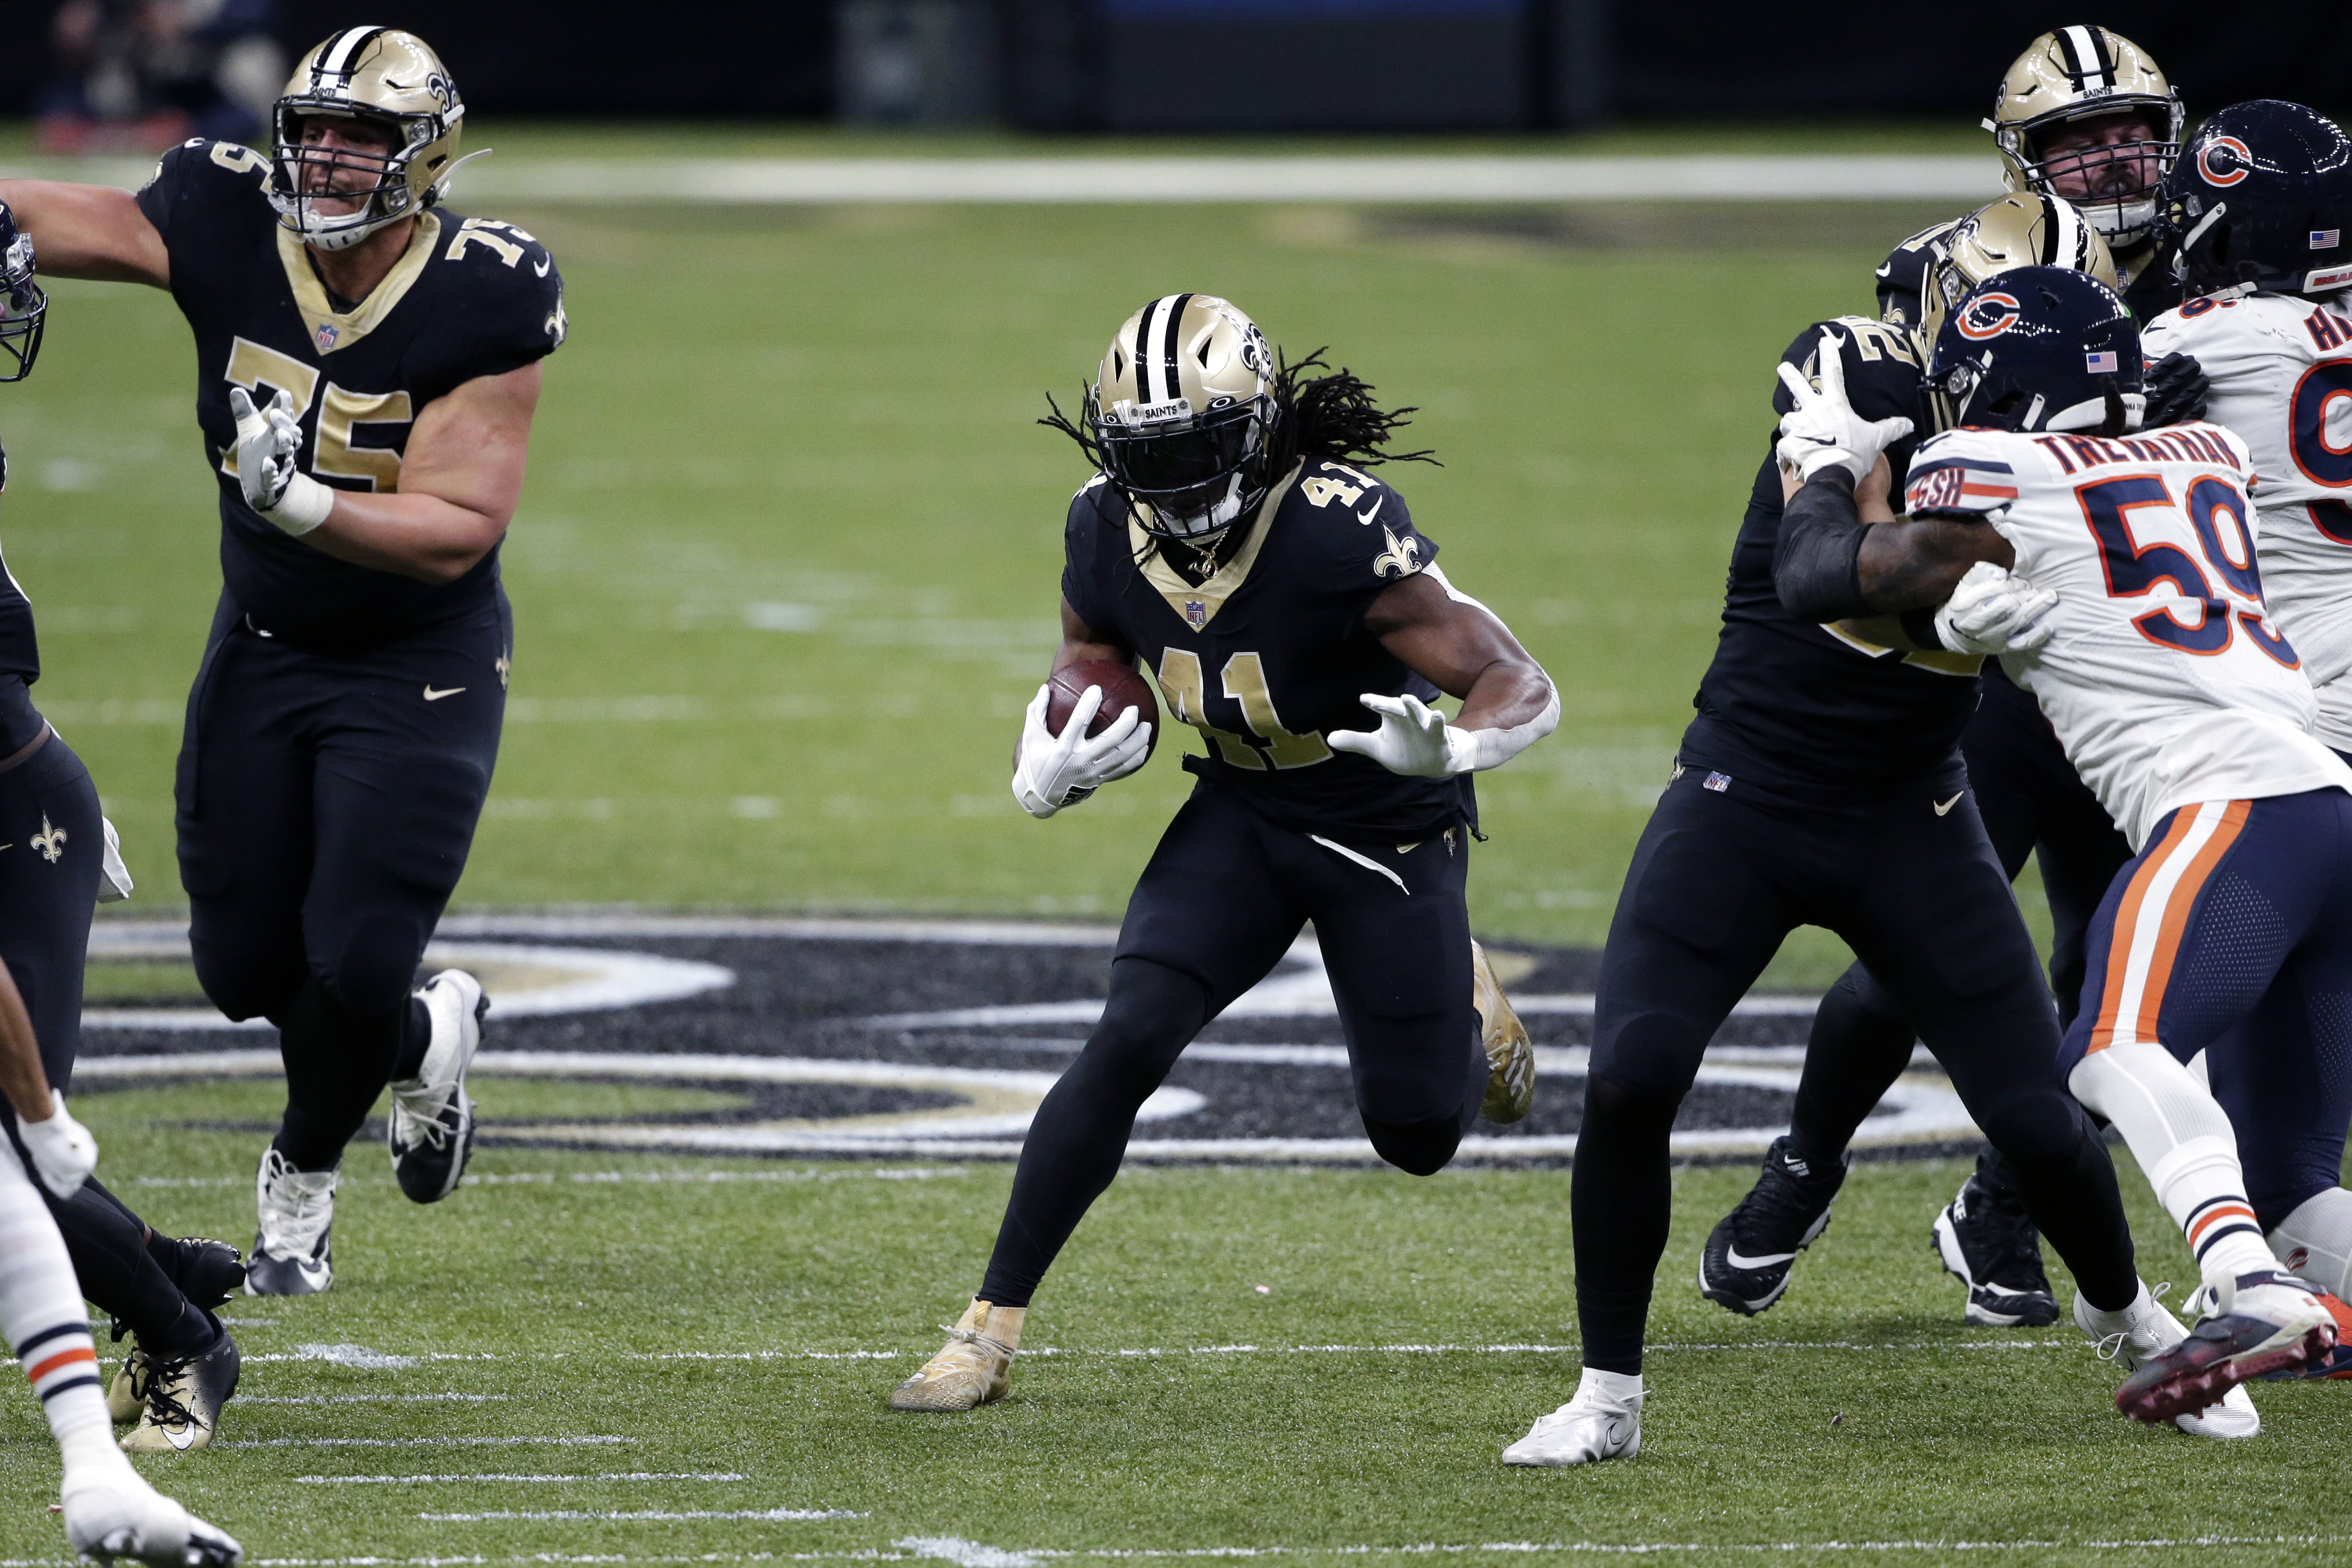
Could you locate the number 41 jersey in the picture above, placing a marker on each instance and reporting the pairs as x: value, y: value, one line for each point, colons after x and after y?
x: 2166, y: 681
x: 1271, y: 653
x: 468, y: 297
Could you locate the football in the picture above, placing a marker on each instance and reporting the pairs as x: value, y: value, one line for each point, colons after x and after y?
x: 1122, y: 689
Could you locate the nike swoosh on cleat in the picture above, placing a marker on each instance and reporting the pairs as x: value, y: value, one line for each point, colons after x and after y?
x: 432, y: 696
x: 1732, y: 1256
x: 182, y: 1439
x: 1944, y: 806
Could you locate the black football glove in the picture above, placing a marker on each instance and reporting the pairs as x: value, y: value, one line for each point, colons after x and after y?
x: 2176, y: 387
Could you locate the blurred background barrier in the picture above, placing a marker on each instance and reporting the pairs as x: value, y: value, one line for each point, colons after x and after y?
x: 123, y: 75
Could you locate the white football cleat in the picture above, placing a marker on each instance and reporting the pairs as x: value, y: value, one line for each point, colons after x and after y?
x: 293, y: 1246
x: 2154, y: 1332
x: 116, y: 1514
x: 431, y: 1132
x: 1588, y: 1428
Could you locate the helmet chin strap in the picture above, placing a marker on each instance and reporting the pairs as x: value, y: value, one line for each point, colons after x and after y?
x: 1221, y: 515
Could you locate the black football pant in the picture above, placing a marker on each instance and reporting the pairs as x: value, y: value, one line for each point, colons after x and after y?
x: 326, y: 805
x: 1220, y: 903
x: 2032, y: 802
x: 51, y: 846
x: 1718, y: 880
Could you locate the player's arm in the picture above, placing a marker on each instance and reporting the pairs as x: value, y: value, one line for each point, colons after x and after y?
x: 460, y: 480
x: 1052, y: 771
x: 88, y: 231
x: 1463, y: 649
x: 63, y: 1151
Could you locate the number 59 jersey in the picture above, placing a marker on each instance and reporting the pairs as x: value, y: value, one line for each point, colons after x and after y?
x: 469, y: 297
x: 2282, y: 374
x: 2166, y: 681
x: 1270, y: 654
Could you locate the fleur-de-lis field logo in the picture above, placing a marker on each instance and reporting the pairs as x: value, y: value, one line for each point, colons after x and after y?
x: 49, y: 840
x: 1401, y: 554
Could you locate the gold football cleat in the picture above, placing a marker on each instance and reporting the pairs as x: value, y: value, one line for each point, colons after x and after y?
x: 184, y: 1399
x: 975, y: 1368
x: 126, y: 1396
x: 1510, y: 1055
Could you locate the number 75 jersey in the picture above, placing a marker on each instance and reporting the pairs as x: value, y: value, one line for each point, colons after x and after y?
x: 2166, y: 679
x: 2282, y: 373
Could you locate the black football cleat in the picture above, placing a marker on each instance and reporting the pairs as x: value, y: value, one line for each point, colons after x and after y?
x: 208, y: 1272
x: 1989, y: 1243
x: 1745, y: 1266
x: 184, y: 1399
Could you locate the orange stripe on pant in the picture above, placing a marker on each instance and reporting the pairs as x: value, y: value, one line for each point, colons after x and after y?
x: 2171, y: 918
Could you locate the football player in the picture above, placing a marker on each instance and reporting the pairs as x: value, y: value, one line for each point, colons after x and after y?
x: 2084, y: 114
x: 1234, y: 541
x: 1821, y: 784
x: 368, y: 362
x: 2130, y: 605
x: 109, y: 1510
x: 2261, y: 206
x: 163, y: 1291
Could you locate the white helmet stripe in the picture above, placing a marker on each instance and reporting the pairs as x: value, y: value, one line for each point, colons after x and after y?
x: 337, y: 58
x: 1143, y: 360
x: 2090, y: 60
x: 2067, y: 248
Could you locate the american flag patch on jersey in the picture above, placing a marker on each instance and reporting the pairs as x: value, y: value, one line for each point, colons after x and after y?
x: 2102, y: 363
x: 1961, y: 485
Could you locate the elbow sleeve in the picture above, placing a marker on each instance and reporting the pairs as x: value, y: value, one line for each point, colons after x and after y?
x: 1817, y: 559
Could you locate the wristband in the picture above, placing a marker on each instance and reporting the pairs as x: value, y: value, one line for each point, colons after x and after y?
x: 1475, y: 750
x: 302, y: 507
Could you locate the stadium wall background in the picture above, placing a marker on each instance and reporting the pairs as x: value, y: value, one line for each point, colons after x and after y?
x: 1239, y: 65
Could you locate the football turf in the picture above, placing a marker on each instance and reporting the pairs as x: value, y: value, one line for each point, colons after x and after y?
x: 720, y: 1347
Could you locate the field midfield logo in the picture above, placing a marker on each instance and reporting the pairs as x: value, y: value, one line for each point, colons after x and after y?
x: 1989, y: 316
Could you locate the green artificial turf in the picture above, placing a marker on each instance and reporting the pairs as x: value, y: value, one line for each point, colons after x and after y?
x: 1860, y: 1409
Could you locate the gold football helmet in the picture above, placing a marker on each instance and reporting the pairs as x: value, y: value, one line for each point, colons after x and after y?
x: 2086, y: 73
x: 1182, y: 412
x: 2022, y: 229
x: 392, y: 82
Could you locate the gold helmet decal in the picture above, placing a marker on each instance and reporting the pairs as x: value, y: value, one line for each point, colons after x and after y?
x: 388, y: 87
x: 1183, y: 410
x: 2022, y: 229
x: 2081, y: 73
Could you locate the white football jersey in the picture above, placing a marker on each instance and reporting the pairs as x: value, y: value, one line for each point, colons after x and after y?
x: 2166, y: 681
x: 2281, y: 373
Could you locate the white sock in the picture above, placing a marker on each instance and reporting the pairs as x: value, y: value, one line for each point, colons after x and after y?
x: 2099, y: 1322
x: 44, y: 1320
x: 1611, y: 1388
x: 2314, y: 1242
x: 2183, y: 1141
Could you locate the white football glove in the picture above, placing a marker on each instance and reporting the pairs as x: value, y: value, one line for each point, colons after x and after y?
x: 1822, y: 431
x: 267, y: 443
x: 113, y: 876
x: 64, y: 1154
x: 1413, y: 739
x: 1994, y: 611
x: 1049, y: 773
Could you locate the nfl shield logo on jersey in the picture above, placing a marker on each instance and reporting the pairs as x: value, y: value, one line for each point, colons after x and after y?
x: 326, y: 335
x: 1196, y: 613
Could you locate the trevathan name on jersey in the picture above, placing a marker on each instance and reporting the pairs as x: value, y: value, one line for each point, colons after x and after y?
x: 2281, y: 368
x: 469, y: 297
x: 1269, y: 652
x: 2164, y: 675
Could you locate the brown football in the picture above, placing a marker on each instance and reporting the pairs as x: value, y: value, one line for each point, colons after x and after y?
x: 1122, y: 689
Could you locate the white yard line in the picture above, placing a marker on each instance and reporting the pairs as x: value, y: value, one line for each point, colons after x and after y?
x: 368, y: 1399
x: 663, y: 1514
x: 632, y: 1477
x: 421, y: 1442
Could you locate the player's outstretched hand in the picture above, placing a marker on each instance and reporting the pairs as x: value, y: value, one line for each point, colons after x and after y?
x: 2177, y: 387
x: 1994, y: 611
x: 1052, y: 771
x: 1822, y: 431
x: 64, y: 1154
x: 1412, y: 739
x: 268, y: 441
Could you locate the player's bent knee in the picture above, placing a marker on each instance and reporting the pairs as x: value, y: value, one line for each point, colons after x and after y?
x: 246, y: 983
x: 1417, y: 1148
x: 373, y: 970
x: 2034, y: 1128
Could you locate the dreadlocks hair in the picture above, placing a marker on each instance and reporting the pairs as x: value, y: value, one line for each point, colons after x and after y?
x: 1330, y: 415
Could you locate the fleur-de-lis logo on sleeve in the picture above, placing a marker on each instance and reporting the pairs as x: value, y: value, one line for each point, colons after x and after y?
x: 1402, y: 554
x: 49, y: 840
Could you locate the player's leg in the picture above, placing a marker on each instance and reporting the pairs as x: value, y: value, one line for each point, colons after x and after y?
x: 1208, y: 920
x: 1705, y: 906
x: 1395, y: 934
x: 110, y: 1508
x: 2190, y: 938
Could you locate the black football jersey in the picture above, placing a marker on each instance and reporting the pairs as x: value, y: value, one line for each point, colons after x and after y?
x: 1806, y: 709
x: 469, y: 297
x: 20, y: 653
x: 1270, y: 654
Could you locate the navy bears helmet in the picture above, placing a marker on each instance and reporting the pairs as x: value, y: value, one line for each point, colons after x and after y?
x: 2261, y: 201
x: 23, y: 306
x: 2041, y: 348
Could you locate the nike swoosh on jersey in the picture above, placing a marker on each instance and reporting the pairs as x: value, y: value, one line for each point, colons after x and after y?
x: 1369, y: 513
x: 1944, y: 806
x: 540, y: 266
x: 1734, y: 1256
x: 432, y: 696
